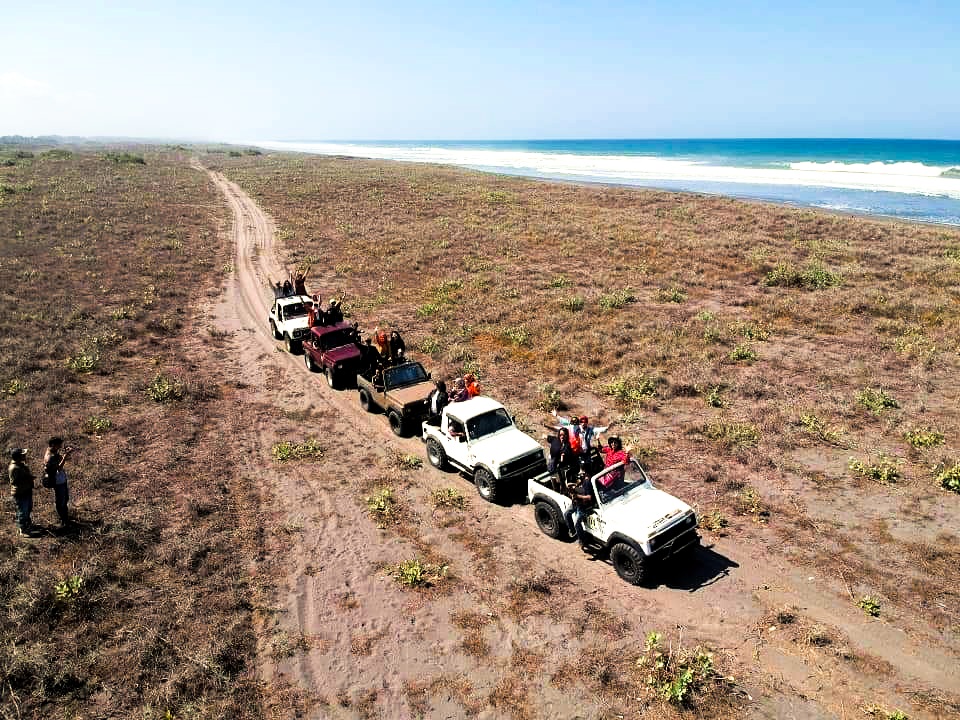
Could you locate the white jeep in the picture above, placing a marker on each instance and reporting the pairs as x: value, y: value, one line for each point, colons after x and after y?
x: 636, y: 523
x: 288, y: 320
x: 478, y: 437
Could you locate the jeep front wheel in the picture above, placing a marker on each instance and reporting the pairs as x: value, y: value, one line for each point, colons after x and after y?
x: 366, y: 402
x: 277, y: 335
x: 308, y: 361
x: 629, y: 563
x: 550, y: 520
x: 436, y: 454
x: 486, y: 484
x: 396, y: 423
x: 292, y: 345
x: 331, y: 378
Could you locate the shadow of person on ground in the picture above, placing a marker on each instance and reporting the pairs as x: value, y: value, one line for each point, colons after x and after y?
x: 693, y: 570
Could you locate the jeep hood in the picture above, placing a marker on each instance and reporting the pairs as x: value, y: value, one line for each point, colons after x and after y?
x: 645, y: 511
x: 343, y: 354
x: 412, y: 393
x: 503, y: 446
x: 296, y: 323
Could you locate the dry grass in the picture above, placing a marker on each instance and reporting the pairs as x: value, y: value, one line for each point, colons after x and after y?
x: 100, y: 264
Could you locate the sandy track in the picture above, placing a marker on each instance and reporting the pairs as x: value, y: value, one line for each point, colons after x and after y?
x: 720, y: 599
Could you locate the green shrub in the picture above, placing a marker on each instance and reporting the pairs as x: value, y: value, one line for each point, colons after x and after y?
x: 307, y: 450
x: 417, y: 574
x: 743, y: 353
x: 870, y: 605
x: 572, y: 304
x: 949, y: 477
x: 517, y: 335
x: 817, y: 426
x: 884, y: 469
x: 549, y: 398
x: 163, y: 389
x: 408, y: 461
x: 876, y: 400
x: 735, y: 435
x: 94, y: 425
x: 714, y: 398
x: 448, y: 497
x: 672, y: 294
x: 815, y: 276
x: 13, y: 387
x: 616, y: 299
x: 84, y: 362
x: 630, y: 389
x: 924, y: 437
x: 560, y: 281
x: 126, y: 158
x: 678, y: 675
x: 382, y: 506
x: 429, y: 345
x: 69, y: 589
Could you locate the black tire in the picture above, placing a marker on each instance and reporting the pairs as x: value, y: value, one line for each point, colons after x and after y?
x: 366, y: 402
x: 629, y: 563
x: 436, y: 455
x: 308, y: 361
x: 293, y: 346
x: 396, y: 423
x: 550, y: 520
x: 331, y: 377
x: 486, y: 484
x: 276, y: 334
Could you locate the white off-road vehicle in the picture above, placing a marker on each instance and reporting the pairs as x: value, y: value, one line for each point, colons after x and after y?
x: 636, y: 523
x: 478, y: 437
x: 288, y: 320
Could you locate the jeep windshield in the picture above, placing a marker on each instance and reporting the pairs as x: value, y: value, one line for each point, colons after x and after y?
x: 620, y: 480
x: 294, y: 310
x: 404, y: 375
x: 335, y: 339
x: 488, y: 423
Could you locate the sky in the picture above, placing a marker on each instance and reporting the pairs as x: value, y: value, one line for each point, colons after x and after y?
x: 282, y: 70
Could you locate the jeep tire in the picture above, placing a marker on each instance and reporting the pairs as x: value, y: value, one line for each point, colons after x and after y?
x: 277, y: 335
x: 331, y: 377
x: 292, y: 345
x: 486, y: 484
x: 629, y: 563
x: 436, y: 455
x: 308, y: 361
x: 366, y: 402
x: 396, y: 423
x: 550, y: 520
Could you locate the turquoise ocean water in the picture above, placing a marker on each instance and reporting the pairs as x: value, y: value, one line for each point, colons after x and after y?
x: 909, y: 179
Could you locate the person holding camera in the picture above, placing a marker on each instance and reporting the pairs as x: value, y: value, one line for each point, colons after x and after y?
x: 55, y: 476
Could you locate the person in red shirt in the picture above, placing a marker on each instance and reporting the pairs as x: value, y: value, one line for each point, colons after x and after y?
x: 613, y: 454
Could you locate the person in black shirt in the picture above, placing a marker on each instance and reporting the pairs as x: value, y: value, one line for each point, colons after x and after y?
x: 437, y: 401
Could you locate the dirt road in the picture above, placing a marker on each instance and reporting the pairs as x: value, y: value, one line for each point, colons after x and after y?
x: 517, y: 607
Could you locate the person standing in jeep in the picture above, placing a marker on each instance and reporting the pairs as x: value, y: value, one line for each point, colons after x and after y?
x: 21, y: 488
x: 53, y: 462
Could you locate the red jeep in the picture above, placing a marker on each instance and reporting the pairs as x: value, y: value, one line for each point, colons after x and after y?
x: 333, y: 348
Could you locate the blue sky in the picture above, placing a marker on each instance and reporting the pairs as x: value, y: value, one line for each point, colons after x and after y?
x: 438, y: 70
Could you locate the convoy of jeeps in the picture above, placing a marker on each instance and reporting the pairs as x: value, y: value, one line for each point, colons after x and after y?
x: 628, y: 520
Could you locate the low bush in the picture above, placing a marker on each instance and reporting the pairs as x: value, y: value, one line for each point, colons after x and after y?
x: 616, y: 299
x: 631, y: 388
x: 870, y: 605
x: 448, y: 497
x: 742, y: 353
x: 815, y: 276
x: 735, y: 435
x: 924, y: 437
x: 163, y: 389
x: 415, y: 573
x: 307, y: 450
x: 949, y: 477
x: 876, y: 400
x: 679, y: 676
x: 382, y: 506
x: 884, y: 469
x: 672, y: 295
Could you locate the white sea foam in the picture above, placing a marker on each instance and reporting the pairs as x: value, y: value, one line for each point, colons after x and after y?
x: 905, y: 177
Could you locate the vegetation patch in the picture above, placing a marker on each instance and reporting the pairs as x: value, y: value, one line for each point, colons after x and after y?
x: 735, y: 435
x: 616, y: 299
x: 883, y: 469
x: 672, y: 295
x: 813, y: 276
x: 125, y: 158
x: 288, y: 450
x: 925, y: 437
x: 743, y: 353
x: 416, y: 573
x: 949, y: 478
x: 448, y: 497
x: 815, y: 425
x: 383, y: 507
x: 870, y: 605
x: 876, y: 400
x: 631, y: 388
x: 682, y: 677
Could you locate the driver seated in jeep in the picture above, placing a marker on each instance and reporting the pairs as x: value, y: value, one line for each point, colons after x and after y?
x: 582, y: 495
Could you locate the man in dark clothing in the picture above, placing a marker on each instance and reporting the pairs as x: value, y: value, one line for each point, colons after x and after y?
x: 53, y: 461
x: 583, y: 500
x: 335, y: 311
x: 21, y: 488
x: 437, y: 401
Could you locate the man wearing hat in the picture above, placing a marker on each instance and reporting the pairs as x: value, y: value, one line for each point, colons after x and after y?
x: 21, y: 488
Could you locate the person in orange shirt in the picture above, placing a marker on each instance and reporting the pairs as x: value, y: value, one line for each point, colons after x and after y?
x: 473, y: 387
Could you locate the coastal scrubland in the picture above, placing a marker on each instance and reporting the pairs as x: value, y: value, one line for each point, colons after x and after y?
x: 251, y: 544
x: 789, y: 372
x: 143, y: 608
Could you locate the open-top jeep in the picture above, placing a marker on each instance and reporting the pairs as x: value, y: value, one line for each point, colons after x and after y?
x: 479, y: 437
x: 636, y: 523
x: 400, y: 390
x: 333, y: 349
x: 288, y: 320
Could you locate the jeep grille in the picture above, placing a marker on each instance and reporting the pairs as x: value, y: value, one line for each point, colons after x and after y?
x: 687, y: 524
x: 527, y: 466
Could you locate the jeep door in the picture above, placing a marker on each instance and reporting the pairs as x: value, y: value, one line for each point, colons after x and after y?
x: 458, y: 449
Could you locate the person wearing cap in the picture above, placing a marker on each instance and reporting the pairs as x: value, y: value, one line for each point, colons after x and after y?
x: 53, y: 462
x: 335, y: 311
x: 21, y: 488
x: 585, y: 433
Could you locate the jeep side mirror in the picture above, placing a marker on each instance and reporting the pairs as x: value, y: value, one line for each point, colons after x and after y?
x: 462, y: 438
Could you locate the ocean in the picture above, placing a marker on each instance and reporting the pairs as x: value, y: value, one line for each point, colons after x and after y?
x: 915, y: 180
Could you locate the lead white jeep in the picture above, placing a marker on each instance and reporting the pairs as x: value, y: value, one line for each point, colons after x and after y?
x: 479, y: 437
x: 636, y: 523
x: 288, y: 320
